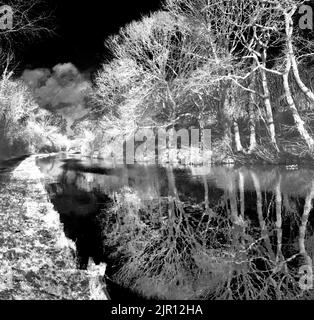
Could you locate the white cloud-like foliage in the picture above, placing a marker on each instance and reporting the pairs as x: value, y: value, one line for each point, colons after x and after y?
x: 62, y: 90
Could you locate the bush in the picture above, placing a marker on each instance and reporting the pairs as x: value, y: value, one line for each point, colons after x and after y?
x: 24, y: 128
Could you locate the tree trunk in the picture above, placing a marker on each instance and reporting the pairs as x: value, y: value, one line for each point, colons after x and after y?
x: 206, y: 193
x: 173, y: 195
x: 309, y: 94
x: 301, y: 84
x: 224, y: 116
x: 279, y: 256
x: 307, y: 264
x: 234, y: 207
x: 237, y: 221
x: 241, y: 191
x: 292, y: 107
x: 237, y: 136
x: 262, y: 223
x: 252, y: 125
x: 305, y: 217
x: 267, y: 102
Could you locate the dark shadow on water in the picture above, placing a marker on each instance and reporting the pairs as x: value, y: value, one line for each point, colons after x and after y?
x: 78, y: 211
x: 11, y: 164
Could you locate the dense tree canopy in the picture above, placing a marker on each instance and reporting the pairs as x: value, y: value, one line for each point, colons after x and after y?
x: 232, y: 66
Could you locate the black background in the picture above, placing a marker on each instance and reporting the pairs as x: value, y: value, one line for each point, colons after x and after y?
x: 80, y: 30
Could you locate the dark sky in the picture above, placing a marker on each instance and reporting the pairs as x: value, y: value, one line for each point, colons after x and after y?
x: 81, y: 28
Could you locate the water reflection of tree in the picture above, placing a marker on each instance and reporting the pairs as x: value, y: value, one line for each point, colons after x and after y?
x: 176, y: 250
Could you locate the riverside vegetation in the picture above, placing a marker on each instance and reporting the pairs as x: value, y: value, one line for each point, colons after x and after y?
x: 248, y: 79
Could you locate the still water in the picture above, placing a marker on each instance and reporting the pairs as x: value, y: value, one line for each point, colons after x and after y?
x: 189, y: 232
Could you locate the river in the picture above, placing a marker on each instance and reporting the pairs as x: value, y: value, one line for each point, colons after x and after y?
x: 188, y: 232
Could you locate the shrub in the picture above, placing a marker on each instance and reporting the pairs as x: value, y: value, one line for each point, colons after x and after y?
x: 24, y: 127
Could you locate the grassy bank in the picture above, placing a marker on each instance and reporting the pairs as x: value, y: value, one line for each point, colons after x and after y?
x: 37, y: 261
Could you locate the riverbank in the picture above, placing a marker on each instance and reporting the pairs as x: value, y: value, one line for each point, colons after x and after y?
x: 37, y: 261
x: 259, y: 157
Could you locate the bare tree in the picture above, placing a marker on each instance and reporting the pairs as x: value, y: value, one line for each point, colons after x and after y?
x: 29, y: 19
x: 277, y: 29
x: 22, y: 21
x: 288, y: 9
x: 147, y: 45
x: 196, y: 61
x: 210, y: 22
x: 233, y: 33
x: 252, y: 118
